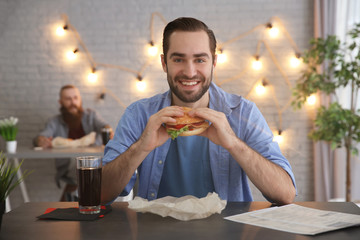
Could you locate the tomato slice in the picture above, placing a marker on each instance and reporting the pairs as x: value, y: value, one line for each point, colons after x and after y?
x: 179, y: 126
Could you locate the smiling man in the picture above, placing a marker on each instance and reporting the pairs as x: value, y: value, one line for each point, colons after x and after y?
x: 238, y: 144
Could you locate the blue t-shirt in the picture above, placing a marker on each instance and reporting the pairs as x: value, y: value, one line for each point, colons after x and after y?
x: 187, y: 168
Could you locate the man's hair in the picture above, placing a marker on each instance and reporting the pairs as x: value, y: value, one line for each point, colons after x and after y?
x: 187, y: 24
x: 68, y: 86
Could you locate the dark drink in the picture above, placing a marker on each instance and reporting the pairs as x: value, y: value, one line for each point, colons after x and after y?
x: 105, y: 134
x: 89, y: 181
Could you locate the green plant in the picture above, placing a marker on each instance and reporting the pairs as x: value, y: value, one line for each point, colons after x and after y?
x: 8, y: 179
x: 335, y: 124
x: 8, y: 128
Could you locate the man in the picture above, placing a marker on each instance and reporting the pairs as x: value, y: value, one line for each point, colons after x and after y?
x: 238, y: 144
x: 73, y: 122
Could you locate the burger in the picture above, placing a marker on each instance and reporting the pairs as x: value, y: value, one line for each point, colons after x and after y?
x: 186, y: 125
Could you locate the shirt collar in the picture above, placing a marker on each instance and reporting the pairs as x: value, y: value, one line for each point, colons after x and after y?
x: 222, y: 101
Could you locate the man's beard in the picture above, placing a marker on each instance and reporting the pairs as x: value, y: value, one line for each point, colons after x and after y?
x: 71, y: 119
x: 189, y: 98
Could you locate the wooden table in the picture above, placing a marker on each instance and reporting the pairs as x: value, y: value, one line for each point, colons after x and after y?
x: 123, y: 223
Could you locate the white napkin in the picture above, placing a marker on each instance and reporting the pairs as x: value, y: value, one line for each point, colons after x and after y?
x: 60, y: 142
x: 184, y: 208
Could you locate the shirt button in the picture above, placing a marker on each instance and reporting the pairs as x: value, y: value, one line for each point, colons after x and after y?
x: 160, y: 162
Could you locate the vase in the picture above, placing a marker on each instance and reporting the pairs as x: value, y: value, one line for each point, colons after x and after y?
x: 2, y: 211
x: 11, y: 146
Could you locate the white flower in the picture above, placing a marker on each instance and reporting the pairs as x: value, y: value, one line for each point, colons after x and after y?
x: 13, y: 120
x: 8, y: 122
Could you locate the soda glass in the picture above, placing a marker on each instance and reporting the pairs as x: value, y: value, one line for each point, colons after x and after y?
x: 89, y: 170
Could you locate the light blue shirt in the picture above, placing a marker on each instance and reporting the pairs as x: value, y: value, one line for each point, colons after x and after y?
x: 230, y: 180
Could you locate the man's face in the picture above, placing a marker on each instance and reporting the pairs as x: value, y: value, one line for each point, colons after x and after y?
x: 70, y: 99
x: 189, y: 65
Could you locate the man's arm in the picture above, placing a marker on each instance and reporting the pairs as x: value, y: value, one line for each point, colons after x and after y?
x: 44, y: 142
x: 117, y: 173
x: 53, y: 128
x: 273, y: 181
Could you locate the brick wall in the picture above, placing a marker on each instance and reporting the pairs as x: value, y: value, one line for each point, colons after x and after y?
x: 33, y: 66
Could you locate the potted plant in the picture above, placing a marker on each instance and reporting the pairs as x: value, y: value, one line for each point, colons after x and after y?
x: 335, y: 124
x: 8, y: 180
x: 8, y: 130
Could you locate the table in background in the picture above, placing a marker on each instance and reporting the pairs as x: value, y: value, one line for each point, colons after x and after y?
x: 123, y: 223
x: 29, y: 153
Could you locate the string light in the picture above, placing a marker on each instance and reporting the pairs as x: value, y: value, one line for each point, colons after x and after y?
x: 311, y: 100
x: 60, y: 31
x: 221, y: 56
x: 273, y: 31
x: 71, y: 55
x: 92, y: 77
x: 152, y: 49
x: 140, y: 84
x: 261, y: 88
x: 278, y: 137
x: 295, y: 60
x: 256, y: 64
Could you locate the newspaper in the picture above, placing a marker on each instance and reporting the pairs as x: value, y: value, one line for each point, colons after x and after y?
x: 297, y: 219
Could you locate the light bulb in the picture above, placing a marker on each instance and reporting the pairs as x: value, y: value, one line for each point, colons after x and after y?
x: 71, y: 55
x: 295, y: 60
x: 221, y: 57
x: 278, y: 137
x: 260, y: 89
x: 273, y: 32
x: 311, y: 100
x: 152, y: 50
x: 92, y: 77
x: 60, y: 31
x: 256, y: 64
x: 141, y: 86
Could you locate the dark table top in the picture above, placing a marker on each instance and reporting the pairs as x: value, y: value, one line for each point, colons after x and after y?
x: 123, y: 223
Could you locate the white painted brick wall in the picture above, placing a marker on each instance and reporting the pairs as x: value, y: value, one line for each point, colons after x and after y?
x: 33, y: 68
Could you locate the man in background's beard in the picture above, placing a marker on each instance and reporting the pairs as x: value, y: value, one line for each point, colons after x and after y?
x: 73, y: 120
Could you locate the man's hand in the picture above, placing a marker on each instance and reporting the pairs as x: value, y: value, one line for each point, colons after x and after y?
x: 44, y: 142
x: 219, y: 131
x: 155, y: 133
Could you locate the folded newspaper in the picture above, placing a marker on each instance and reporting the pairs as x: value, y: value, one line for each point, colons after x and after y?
x: 297, y: 219
x: 184, y: 208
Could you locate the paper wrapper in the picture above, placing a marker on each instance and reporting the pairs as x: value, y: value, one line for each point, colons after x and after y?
x: 60, y: 142
x: 184, y: 208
